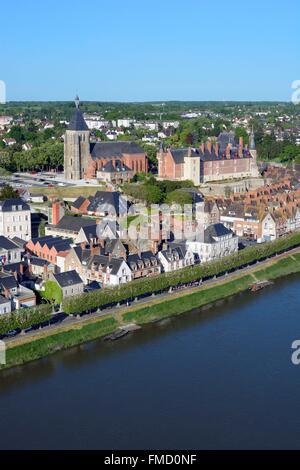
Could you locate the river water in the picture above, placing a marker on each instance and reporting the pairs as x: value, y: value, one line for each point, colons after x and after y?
x: 219, y: 378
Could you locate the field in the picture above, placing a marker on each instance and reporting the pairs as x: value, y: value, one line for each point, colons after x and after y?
x: 68, y: 191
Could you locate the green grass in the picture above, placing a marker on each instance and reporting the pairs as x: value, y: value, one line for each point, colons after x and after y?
x: 189, y: 302
x: 49, y: 344
x: 68, y: 191
x: 282, y: 267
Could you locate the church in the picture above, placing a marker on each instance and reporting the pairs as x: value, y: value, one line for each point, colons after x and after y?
x: 226, y: 159
x: 112, y: 161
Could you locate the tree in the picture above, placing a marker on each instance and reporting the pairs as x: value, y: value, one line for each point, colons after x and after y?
x: 179, y: 197
x: 7, y: 192
x: 52, y: 292
x: 42, y: 226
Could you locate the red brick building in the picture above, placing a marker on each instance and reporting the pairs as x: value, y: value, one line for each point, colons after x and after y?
x: 84, y: 158
x: 226, y: 159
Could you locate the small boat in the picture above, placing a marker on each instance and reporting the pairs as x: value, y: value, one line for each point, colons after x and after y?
x: 117, y: 335
x: 260, y: 285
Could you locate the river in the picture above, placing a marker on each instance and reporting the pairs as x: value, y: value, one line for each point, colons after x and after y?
x: 217, y: 378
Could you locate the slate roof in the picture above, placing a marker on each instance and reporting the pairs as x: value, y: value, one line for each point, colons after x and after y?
x: 7, y: 204
x: 16, y: 267
x: 113, y: 226
x: 180, y: 154
x: 116, y: 166
x: 4, y: 300
x: 74, y: 224
x: 38, y: 261
x: 145, y: 259
x: 114, y: 246
x: 91, y: 231
x: 226, y: 138
x: 18, y: 241
x: 104, y: 201
x: 82, y: 255
x: 61, y: 244
x: 7, y: 244
x: 7, y: 281
x: 105, y: 261
x: 68, y: 278
x: 77, y: 122
x: 114, y: 149
x: 173, y: 253
x: 215, y: 231
x: 79, y: 201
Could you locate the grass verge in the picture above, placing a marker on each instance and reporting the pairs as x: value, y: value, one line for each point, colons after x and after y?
x: 188, y: 302
x: 50, y: 344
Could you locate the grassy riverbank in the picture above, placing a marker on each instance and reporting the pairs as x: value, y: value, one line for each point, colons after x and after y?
x: 189, y: 302
x: 155, y: 309
x: 44, y: 346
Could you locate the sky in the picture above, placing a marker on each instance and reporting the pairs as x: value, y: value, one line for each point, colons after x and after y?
x: 141, y: 50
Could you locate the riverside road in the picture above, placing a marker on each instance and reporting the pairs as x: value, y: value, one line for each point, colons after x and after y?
x: 115, y: 311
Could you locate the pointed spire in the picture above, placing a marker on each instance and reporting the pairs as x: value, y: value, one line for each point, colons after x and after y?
x: 77, y: 101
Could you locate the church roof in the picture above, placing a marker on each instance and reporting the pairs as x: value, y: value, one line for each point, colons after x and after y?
x: 114, y: 149
x: 77, y: 122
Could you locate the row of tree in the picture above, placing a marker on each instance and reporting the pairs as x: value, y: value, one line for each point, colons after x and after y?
x: 146, y: 286
x: 25, y: 318
x: 47, y: 156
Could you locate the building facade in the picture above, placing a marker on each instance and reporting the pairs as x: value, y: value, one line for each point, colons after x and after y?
x: 226, y: 159
x: 15, y: 219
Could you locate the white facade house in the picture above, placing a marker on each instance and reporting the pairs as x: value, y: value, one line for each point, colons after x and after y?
x: 108, y: 271
x: 216, y: 242
x: 70, y: 283
x: 176, y: 256
x: 15, y: 219
x: 268, y: 228
x: 5, y: 305
x: 9, y: 251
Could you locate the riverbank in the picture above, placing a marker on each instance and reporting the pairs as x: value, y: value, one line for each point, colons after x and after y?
x: 25, y: 349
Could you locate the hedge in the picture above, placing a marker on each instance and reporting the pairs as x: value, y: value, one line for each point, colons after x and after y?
x: 24, y: 318
x: 146, y: 286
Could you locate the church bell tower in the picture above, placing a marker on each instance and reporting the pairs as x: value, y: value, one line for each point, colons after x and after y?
x: 77, y: 146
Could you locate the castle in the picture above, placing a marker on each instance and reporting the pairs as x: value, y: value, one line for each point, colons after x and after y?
x: 85, y: 159
x: 226, y: 159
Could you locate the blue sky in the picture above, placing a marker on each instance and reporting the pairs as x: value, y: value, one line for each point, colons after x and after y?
x: 149, y: 50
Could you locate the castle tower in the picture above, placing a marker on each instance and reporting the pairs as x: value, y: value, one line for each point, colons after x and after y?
x: 192, y: 167
x: 77, y: 146
x: 161, y: 161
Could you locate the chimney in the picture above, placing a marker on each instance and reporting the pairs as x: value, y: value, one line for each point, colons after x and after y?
x: 57, y: 212
x: 217, y: 148
x: 209, y: 146
x: 241, y: 147
x: 95, y: 250
x: 228, y: 148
